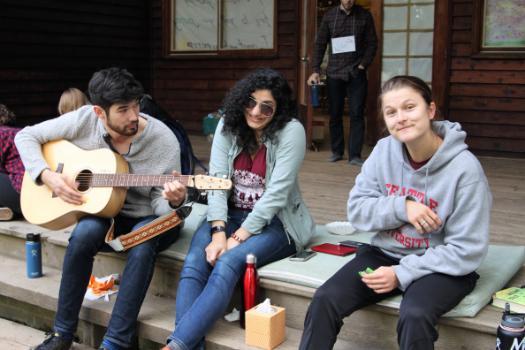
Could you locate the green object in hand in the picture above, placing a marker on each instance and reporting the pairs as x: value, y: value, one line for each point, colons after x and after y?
x: 366, y: 271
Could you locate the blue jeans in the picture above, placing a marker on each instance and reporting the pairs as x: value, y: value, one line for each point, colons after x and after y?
x: 204, y: 291
x: 86, y: 240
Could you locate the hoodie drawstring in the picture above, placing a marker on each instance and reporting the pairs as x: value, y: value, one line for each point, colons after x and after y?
x: 426, y: 187
x: 402, y: 174
x: 426, y: 201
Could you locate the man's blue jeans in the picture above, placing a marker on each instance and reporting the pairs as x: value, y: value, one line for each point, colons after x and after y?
x: 204, y: 291
x: 86, y: 240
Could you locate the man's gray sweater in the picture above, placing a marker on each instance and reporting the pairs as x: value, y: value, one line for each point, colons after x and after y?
x: 155, y: 151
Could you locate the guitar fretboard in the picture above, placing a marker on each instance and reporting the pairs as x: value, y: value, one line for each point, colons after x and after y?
x: 136, y: 180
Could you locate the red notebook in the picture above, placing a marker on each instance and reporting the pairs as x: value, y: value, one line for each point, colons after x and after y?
x: 334, y: 249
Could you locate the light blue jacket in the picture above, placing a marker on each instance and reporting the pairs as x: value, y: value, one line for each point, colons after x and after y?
x: 281, y: 197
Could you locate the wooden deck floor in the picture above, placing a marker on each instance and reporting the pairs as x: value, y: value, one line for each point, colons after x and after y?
x: 325, y: 187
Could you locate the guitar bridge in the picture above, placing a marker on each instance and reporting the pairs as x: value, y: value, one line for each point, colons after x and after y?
x: 60, y: 168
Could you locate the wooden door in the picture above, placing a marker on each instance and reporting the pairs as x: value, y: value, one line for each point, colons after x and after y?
x: 308, y: 29
x: 374, y: 126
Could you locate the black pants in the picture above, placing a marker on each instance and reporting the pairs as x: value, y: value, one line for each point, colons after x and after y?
x: 9, y: 197
x: 355, y: 88
x: 424, y: 301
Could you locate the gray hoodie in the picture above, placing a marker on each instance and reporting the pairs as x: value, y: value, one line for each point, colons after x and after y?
x: 452, y: 184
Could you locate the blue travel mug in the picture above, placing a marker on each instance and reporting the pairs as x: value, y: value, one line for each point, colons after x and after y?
x: 33, y: 255
x: 314, y: 95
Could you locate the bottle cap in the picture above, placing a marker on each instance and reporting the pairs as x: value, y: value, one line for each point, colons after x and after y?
x: 513, y: 321
x: 33, y: 237
x: 251, y: 259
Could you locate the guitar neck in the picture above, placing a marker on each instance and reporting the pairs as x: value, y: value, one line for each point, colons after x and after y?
x: 138, y: 180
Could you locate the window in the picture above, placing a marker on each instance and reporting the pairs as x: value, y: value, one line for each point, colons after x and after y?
x: 408, y: 38
x: 499, y: 27
x: 219, y: 27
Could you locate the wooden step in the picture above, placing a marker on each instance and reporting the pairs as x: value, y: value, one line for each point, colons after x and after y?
x: 54, y: 243
x: 155, y: 323
x: 16, y: 336
x: 361, y: 328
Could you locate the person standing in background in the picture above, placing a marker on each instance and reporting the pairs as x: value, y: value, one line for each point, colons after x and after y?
x: 11, y: 167
x: 349, y: 29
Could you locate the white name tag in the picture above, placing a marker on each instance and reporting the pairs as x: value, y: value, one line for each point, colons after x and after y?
x: 343, y: 44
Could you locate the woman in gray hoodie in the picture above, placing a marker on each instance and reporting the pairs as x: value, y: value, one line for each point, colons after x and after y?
x: 429, y: 200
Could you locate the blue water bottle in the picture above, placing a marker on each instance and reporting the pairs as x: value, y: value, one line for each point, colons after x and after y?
x: 314, y: 95
x: 33, y: 255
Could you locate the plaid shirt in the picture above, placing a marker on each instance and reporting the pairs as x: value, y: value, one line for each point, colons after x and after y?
x: 10, y: 159
x: 336, y: 23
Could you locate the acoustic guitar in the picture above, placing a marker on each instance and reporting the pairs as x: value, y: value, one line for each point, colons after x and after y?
x: 102, y: 177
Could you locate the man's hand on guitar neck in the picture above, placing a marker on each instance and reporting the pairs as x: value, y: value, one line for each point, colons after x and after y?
x: 174, y: 192
x: 62, y: 186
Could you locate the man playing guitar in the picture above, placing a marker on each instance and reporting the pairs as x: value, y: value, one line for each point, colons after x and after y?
x: 148, y: 146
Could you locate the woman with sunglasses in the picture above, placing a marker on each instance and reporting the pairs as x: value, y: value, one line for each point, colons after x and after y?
x: 260, y: 146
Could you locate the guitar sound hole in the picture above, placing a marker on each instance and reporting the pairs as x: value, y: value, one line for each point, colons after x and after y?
x: 84, y: 180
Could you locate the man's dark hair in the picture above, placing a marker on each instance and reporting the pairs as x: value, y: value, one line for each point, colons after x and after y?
x: 7, y: 117
x: 113, y: 85
x: 235, y: 103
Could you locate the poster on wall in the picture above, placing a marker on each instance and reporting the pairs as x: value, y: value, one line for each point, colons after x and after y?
x: 212, y: 25
x: 248, y: 24
x: 194, y: 25
x: 504, y: 24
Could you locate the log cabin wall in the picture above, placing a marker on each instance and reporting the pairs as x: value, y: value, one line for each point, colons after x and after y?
x: 48, y: 46
x: 190, y: 88
x: 486, y: 95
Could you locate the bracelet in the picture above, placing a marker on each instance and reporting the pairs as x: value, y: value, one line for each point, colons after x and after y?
x: 237, y: 238
x: 217, y: 229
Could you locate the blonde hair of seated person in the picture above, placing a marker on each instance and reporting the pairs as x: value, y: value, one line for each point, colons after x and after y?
x: 71, y: 99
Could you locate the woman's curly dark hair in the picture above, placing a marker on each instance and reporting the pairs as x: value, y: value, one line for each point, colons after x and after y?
x: 235, y: 102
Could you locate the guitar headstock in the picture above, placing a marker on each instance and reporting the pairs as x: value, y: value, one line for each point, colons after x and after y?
x: 204, y: 182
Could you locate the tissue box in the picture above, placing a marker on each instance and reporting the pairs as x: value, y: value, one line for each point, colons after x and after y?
x: 264, y: 330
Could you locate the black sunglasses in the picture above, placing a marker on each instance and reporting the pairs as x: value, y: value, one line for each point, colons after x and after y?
x: 266, y: 109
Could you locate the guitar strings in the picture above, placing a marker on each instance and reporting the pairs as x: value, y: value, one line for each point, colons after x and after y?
x: 88, y: 179
x: 100, y: 180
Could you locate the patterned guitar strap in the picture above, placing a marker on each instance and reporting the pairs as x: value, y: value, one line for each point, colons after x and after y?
x: 146, y: 232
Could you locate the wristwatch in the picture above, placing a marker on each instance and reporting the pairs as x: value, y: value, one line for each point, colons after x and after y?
x: 217, y: 229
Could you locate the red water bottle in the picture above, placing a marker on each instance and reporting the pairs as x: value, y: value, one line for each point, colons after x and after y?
x: 249, y: 290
